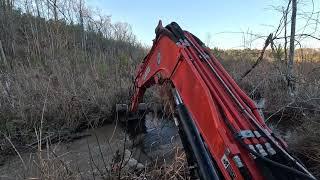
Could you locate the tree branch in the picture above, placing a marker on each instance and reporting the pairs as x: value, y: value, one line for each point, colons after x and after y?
x: 266, y: 44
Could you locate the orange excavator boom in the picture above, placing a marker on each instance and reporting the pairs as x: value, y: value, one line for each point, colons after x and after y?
x: 223, y: 133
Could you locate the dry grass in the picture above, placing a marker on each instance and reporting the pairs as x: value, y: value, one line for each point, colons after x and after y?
x: 79, y: 75
x: 305, y: 143
x: 75, y: 98
x: 177, y: 168
x: 298, y: 119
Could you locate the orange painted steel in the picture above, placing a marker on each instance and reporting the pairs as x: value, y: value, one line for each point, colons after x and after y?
x: 227, y: 119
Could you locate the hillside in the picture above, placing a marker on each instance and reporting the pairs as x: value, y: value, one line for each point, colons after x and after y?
x: 59, y: 76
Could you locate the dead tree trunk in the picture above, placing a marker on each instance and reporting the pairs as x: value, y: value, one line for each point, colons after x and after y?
x: 55, y: 12
x: 37, y: 7
x: 81, y: 21
x: 290, y: 72
x: 285, y: 13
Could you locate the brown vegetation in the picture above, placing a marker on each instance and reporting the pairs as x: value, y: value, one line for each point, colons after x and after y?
x: 298, y: 119
x: 63, y: 67
x: 58, y: 73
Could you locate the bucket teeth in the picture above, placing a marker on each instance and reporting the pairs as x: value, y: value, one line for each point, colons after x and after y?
x: 124, y: 115
x: 122, y: 108
x: 142, y: 107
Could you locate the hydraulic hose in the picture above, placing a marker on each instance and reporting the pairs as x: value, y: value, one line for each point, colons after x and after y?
x: 205, y: 164
x: 276, y: 164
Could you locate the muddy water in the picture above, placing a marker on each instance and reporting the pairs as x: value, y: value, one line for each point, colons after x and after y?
x: 161, y: 138
x: 80, y: 155
x: 91, y: 156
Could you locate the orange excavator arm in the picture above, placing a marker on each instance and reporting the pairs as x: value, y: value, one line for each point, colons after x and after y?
x: 223, y: 133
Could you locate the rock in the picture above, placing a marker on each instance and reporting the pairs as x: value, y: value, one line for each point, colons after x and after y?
x: 140, y: 166
x: 141, y: 156
x: 132, y: 163
x: 139, y: 139
x: 127, y: 155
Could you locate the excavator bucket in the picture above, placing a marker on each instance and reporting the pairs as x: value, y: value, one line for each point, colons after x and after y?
x: 123, y: 114
x: 133, y: 121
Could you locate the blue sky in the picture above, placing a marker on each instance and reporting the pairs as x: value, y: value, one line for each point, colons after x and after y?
x: 204, y: 18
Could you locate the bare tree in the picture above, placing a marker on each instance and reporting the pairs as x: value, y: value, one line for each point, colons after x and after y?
x: 290, y: 72
x: 55, y: 12
x: 285, y: 19
x: 208, y: 39
x: 37, y: 7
